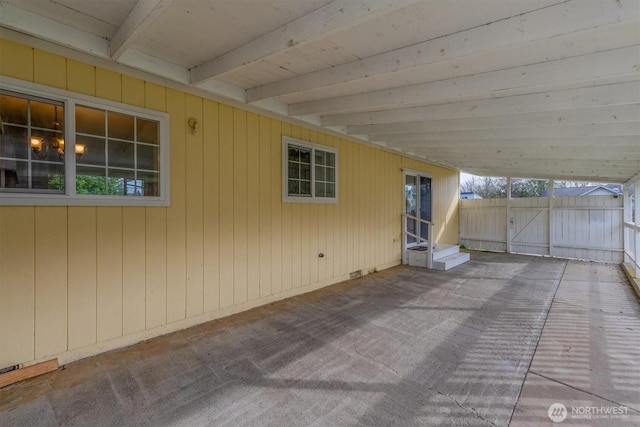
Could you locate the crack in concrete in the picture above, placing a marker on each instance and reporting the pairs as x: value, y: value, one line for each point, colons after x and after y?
x: 373, y: 359
x: 599, y: 310
x: 546, y: 317
x: 464, y: 408
x: 584, y: 391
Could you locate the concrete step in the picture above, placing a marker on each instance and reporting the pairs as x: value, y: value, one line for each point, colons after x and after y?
x: 442, y: 251
x: 451, y: 261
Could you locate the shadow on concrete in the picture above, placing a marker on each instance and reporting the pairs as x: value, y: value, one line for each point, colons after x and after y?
x: 405, y: 346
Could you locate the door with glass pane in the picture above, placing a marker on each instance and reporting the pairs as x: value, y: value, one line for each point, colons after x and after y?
x: 417, y: 199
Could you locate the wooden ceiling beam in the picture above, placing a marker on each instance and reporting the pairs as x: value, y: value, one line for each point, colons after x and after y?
x: 569, y: 174
x: 543, y: 143
x: 595, y: 115
x: 48, y: 29
x: 540, y: 132
x: 555, y: 101
x: 626, y: 155
x: 551, y: 32
x: 139, y: 19
x: 338, y: 15
x: 613, y: 66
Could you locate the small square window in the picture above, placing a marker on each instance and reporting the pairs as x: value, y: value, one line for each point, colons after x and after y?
x: 309, y: 172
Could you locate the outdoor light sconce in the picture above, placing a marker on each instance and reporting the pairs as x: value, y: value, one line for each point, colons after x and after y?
x: 194, y: 125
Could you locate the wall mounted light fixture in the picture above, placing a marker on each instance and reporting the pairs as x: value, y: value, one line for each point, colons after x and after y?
x: 194, y: 125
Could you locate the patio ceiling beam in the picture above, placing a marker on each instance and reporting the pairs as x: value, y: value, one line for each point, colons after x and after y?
x: 138, y: 20
x: 626, y: 154
x: 599, y: 167
x: 48, y: 29
x: 525, y: 169
x: 613, y: 66
x: 574, y: 99
x: 633, y: 179
x: 338, y: 15
x: 589, y: 141
x: 571, y: 173
x: 595, y: 115
x: 551, y: 32
x: 542, y: 168
x: 572, y: 131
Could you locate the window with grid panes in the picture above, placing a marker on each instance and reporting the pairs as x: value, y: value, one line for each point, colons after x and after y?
x: 60, y: 148
x: 310, y: 172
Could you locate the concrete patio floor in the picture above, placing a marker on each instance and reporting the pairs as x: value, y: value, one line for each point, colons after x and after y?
x: 493, y: 342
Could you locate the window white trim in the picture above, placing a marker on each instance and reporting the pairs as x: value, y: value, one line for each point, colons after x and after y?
x: 286, y: 198
x: 70, y: 198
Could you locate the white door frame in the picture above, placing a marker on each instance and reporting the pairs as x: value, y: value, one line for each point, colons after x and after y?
x: 418, y: 175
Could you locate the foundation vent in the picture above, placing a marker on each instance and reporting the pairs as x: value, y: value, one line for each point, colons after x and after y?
x: 355, y: 274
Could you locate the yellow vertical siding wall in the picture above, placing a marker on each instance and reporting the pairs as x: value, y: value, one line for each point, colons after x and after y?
x: 75, y: 281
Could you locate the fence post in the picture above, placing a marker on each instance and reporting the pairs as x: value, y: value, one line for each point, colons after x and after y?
x: 508, y: 214
x: 637, y: 223
x: 551, y: 222
x: 626, y: 218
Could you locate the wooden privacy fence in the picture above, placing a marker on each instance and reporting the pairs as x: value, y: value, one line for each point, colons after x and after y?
x: 585, y: 227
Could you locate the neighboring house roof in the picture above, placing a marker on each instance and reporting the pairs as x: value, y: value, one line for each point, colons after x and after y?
x: 583, y: 191
x: 469, y: 195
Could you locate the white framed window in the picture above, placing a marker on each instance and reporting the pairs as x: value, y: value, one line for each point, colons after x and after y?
x: 61, y: 148
x: 309, y: 171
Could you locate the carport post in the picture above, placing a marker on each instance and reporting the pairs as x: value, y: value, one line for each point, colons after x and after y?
x: 637, y: 232
x: 551, y: 196
x: 508, y: 189
x: 626, y: 219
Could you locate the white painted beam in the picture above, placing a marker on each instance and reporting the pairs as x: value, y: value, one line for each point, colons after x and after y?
x: 590, y: 141
x: 614, y: 66
x: 531, y: 162
x: 583, y: 98
x: 563, y: 30
x: 596, y: 115
x: 153, y: 65
x: 159, y: 67
x: 139, y: 19
x: 338, y: 15
x: 627, y: 155
x: 528, y: 168
x: 583, y: 43
x: 633, y: 179
x: 537, y: 173
x: 521, y: 160
x: 557, y: 170
x: 573, y: 131
x: 225, y: 89
x: 36, y: 25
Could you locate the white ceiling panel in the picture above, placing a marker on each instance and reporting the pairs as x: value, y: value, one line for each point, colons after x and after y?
x: 191, y: 32
x: 428, y: 20
x: 534, y: 88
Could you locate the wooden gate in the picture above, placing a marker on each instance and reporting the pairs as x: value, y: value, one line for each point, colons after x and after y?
x: 585, y: 227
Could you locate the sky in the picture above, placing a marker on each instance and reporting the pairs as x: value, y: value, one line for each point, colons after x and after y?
x: 464, y: 176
